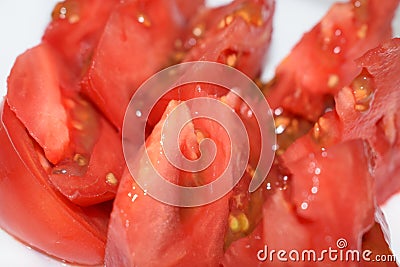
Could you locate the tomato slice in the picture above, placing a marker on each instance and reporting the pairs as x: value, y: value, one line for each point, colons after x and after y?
x: 33, y: 211
x: 70, y: 130
x: 153, y: 233
x: 366, y: 109
x: 130, y: 51
x: 34, y: 95
x: 323, y: 61
x: 237, y: 34
x: 75, y: 30
x: 312, y: 209
x: 372, y: 102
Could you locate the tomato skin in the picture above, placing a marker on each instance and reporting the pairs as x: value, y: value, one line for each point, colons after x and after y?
x: 344, y: 34
x: 33, y: 211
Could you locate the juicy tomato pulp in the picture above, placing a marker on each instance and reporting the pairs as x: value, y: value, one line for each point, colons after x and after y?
x: 32, y: 210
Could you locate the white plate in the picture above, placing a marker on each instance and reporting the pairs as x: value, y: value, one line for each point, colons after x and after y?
x: 22, y: 23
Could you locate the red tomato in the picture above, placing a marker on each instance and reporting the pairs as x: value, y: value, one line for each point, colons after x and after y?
x: 323, y: 61
x: 34, y: 95
x: 366, y: 109
x: 33, y: 211
x: 237, y: 34
x: 147, y: 232
x: 130, y: 51
x: 75, y: 30
x: 369, y: 109
x: 311, y: 210
x: 68, y: 128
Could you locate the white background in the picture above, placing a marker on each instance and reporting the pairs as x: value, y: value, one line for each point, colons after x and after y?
x: 22, y: 23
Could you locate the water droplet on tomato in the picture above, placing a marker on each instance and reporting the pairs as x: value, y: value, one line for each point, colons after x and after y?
x: 60, y: 171
x: 138, y: 113
x: 269, y: 186
x: 278, y: 111
x: 304, y: 205
x: 336, y: 50
x: 314, y: 190
x: 143, y: 19
x: 338, y: 32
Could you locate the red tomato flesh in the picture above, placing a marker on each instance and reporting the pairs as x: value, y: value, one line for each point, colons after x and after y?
x: 323, y: 61
x: 33, y: 211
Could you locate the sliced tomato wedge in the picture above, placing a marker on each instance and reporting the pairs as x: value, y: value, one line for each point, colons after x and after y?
x: 33, y: 211
x: 366, y: 109
x: 34, y: 95
x: 75, y: 30
x: 130, y: 51
x: 146, y: 232
x: 237, y: 34
x: 312, y: 209
x: 70, y: 130
x: 323, y: 61
x: 371, y: 103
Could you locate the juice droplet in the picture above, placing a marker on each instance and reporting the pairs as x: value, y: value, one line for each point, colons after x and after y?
x: 143, y: 19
